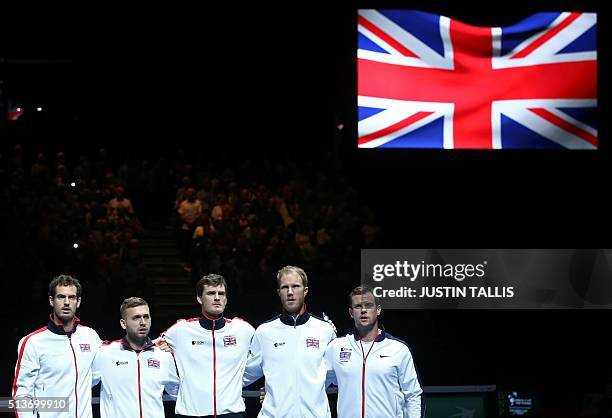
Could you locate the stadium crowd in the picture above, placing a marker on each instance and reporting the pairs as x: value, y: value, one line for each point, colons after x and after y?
x: 86, y: 214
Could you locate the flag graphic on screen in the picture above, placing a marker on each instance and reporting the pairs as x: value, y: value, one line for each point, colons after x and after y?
x: 429, y: 81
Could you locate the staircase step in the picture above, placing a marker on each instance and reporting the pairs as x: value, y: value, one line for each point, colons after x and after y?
x: 169, y: 280
x: 177, y: 290
x: 161, y: 288
x: 147, y: 259
x: 171, y: 285
x: 183, y: 293
x: 154, y: 263
x: 164, y: 252
x: 148, y: 244
x: 171, y: 306
x: 176, y: 301
x: 162, y: 264
x: 156, y: 233
x: 160, y: 274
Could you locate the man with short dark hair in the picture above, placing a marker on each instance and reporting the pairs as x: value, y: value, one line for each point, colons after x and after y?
x: 55, y: 361
x: 375, y: 372
x: 133, y: 372
x: 289, y: 351
x: 211, y: 354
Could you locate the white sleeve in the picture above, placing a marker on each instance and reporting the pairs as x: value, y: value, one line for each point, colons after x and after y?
x: 98, y: 340
x: 170, y: 336
x: 172, y: 383
x: 26, y: 369
x: 254, y: 366
x: 332, y: 334
x: 410, y: 386
x: 96, y: 368
x: 329, y: 364
x: 97, y: 363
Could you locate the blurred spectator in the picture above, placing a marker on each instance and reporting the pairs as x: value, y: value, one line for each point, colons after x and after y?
x: 120, y: 210
x: 70, y: 224
x: 244, y: 220
x: 190, y: 212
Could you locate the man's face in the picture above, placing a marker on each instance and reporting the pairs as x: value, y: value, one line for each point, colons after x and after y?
x: 213, y: 300
x: 64, y: 303
x: 363, y: 310
x: 137, y: 322
x: 292, y: 293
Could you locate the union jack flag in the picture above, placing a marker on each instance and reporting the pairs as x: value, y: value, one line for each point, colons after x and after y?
x: 429, y: 81
x: 153, y: 363
x: 229, y: 340
x: 312, y: 342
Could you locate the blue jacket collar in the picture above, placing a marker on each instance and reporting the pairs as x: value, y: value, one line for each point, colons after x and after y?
x: 379, y: 338
x: 299, y: 320
x: 210, y: 322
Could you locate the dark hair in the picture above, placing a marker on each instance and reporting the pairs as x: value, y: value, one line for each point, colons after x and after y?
x: 362, y: 290
x: 213, y: 280
x: 64, y: 280
x: 131, y: 303
x: 291, y: 269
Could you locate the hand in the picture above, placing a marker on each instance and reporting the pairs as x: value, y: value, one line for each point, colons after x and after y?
x: 333, y: 326
x: 326, y: 318
x: 262, y: 394
x: 162, y: 344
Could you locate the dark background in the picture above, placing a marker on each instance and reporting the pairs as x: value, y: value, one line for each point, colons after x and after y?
x: 227, y: 82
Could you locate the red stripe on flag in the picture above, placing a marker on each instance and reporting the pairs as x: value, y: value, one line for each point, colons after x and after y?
x: 547, y: 35
x: 385, y: 37
x: 395, y: 127
x: 472, y: 49
x: 565, y: 125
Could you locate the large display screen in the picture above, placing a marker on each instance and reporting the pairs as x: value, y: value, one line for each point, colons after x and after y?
x: 431, y: 81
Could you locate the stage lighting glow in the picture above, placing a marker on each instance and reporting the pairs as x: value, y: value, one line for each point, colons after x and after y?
x: 75, y: 245
x: 39, y: 109
x: 73, y: 184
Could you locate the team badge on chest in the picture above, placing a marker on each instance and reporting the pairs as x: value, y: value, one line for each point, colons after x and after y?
x: 229, y: 340
x: 312, y: 342
x: 345, y: 355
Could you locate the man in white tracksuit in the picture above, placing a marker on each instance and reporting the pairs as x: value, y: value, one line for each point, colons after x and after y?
x: 211, y: 354
x: 55, y: 361
x: 375, y: 372
x: 289, y: 351
x: 133, y: 372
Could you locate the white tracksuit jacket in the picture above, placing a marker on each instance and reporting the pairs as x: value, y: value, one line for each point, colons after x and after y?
x: 53, y: 363
x: 384, y: 385
x: 211, y: 355
x: 290, y: 354
x: 133, y: 382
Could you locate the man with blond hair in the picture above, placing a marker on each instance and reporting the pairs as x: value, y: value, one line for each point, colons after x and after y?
x: 289, y: 351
